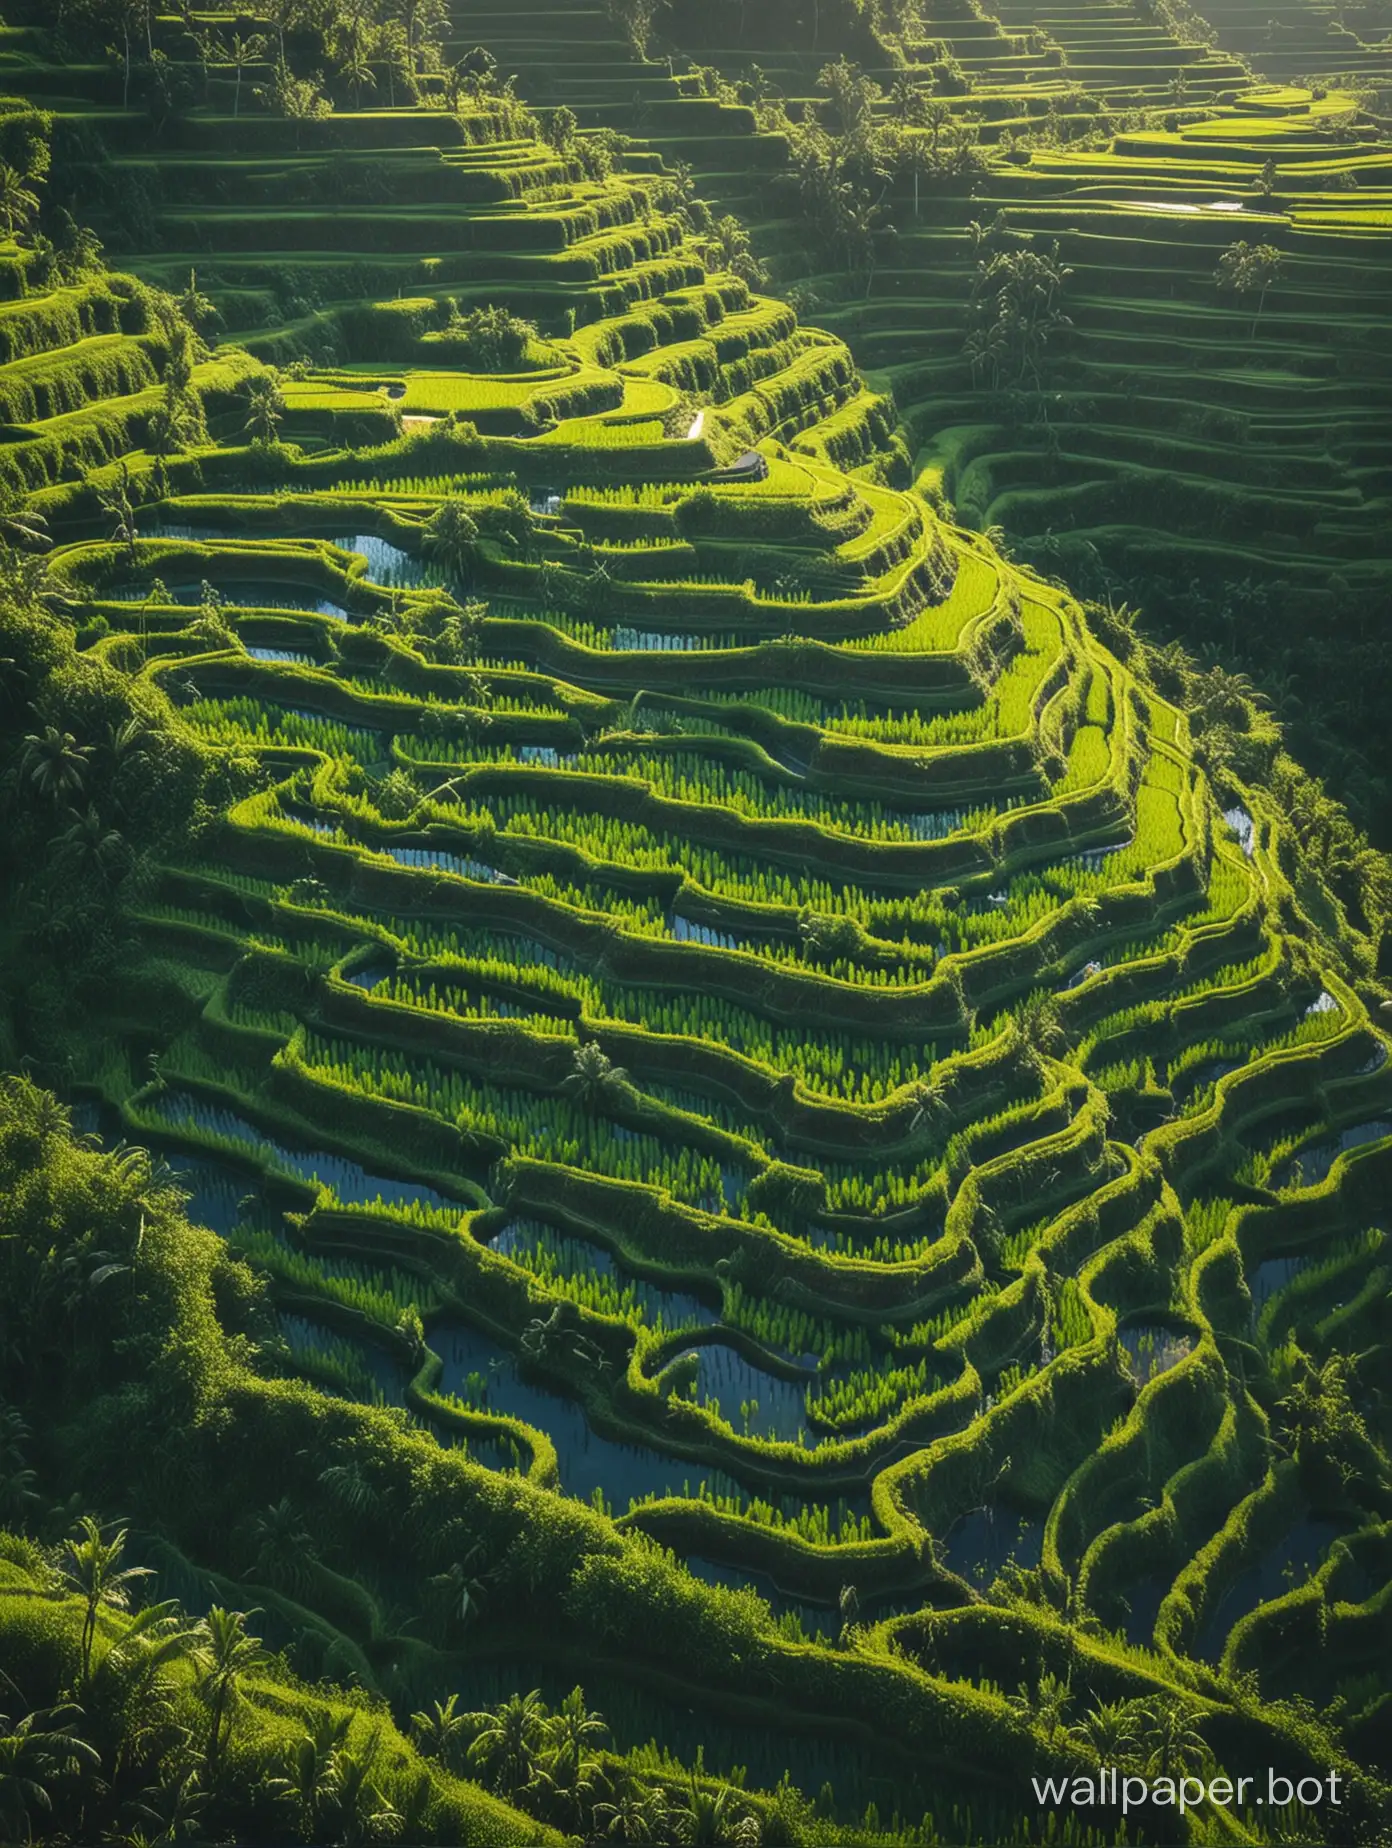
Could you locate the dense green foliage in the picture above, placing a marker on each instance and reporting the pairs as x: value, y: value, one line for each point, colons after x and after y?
x: 747, y: 1104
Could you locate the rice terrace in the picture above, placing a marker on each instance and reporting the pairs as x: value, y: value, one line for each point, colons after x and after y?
x: 696, y: 941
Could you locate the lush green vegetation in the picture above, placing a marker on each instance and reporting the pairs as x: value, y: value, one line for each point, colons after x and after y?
x: 645, y: 1062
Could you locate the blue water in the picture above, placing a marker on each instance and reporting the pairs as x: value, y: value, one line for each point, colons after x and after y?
x: 1243, y: 826
x: 1285, y: 1567
x: 348, y: 1180
x: 1162, y: 1350
x: 1143, y: 1599
x: 1271, y: 1275
x: 779, y: 1408
x: 686, y: 932
x: 435, y: 859
x: 1309, y: 1165
x: 369, y: 975
x: 377, y: 1365
x: 587, y: 1461
x: 387, y: 563
x: 674, y: 1308
x: 281, y: 654
x: 650, y: 641
x: 978, y: 1545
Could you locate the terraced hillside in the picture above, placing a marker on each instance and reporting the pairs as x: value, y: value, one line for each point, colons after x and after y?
x: 1310, y: 39
x: 821, y: 1150
x: 1223, y: 469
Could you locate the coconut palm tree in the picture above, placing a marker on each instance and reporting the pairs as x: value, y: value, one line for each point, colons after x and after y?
x: 312, y: 1775
x: 91, y: 848
x: 225, y: 1654
x: 444, y: 1733
x: 702, y: 1818
x: 242, y: 53
x: 34, y: 1751
x: 265, y: 407
x: 1046, y: 1706
x: 509, y: 1743
x: 17, y: 201
x: 1171, y: 1744
x: 1108, y: 1730
x: 594, y: 1079
x: 54, y: 764
x: 118, y: 504
x: 364, y: 1814
x: 89, y: 1565
x: 450, y: 537
x: 633, y: 1814
x: 285, y: 1554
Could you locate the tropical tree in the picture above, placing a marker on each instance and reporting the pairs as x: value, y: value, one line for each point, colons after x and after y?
x: 225, y: 1654
x: 1171, y: 1744
x: 92, y: 848
x: 729, y: 249
x: 285, y: 1554
x: 1249, y: 269
x: 633, y: 1814
x: 265, y: 407
x: 560, y: 129
x: 54, y: 764
x: 35, y: 1751
x: 450, y: 536
x: 89, y: 1565
x: 311, y: 1775
x: 17, y: 201
x: 1108, y: 1731
x: 636, y: 18
x: 243, y: 51
x: 508, y: 1743
x: 444, y: 1733
x: 704, y: 1818
x: 1046, y: 1706
x: 363, y: 1814
x: 118, y: 504
x: 594, y: 1079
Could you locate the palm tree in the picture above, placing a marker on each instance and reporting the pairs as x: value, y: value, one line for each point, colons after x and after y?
x: 457, y: 1593
x: 450, y: 537
x: 704, y: 1818
x: 1171, y: 1743
x: 1249, y: 269
x: 364, y: 1814
x: 17, y: 201
x: 594, y: 1079
x: 90, y: 1565
x: 91, y: 848
x: 633, y: 1814
x: 508, y: 1743
x: 444, y: 1733
x: 1108, y: 1730
x: 225, y: 1653
x: 175, y: 421
x: 313, y: 1773
x: 54, y: 764
x: 242, y: 53
x: 285, y: 1554
x: 568, y: 1776
x: 34, y: 1751
x: 265, y: 404
x: 118, y: 504
x: 25, y: 526
x: 1046, y: 1706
